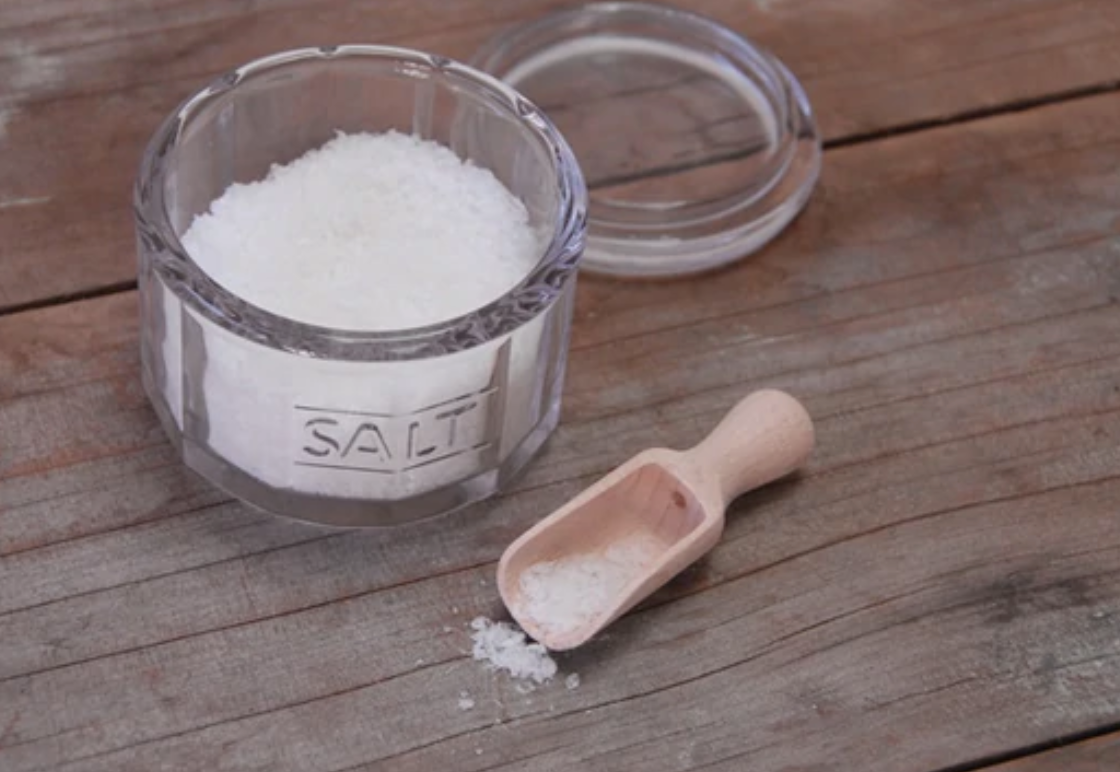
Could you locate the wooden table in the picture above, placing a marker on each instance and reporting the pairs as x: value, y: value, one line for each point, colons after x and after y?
x: 939, y: 591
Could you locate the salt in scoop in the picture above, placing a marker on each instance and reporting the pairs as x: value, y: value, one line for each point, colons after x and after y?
x: 593, y: 559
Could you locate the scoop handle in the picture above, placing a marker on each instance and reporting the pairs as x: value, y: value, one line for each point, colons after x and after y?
x: 765, y: 436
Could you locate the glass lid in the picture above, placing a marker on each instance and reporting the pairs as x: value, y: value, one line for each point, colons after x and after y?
x: 697, y: 146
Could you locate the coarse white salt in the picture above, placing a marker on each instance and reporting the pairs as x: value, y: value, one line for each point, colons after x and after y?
x: 572, y: 681
x: 466, y: 702
x: 371, y: 232
x: 503, y: 647
x: 571, y: 591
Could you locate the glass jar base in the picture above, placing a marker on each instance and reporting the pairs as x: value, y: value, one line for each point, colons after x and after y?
x: 358, y: 513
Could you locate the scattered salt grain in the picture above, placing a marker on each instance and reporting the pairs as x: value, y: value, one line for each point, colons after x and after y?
x: 503, y: 647
x: 466, y: 702
x: 370, y: 231
x: 572, y: 681
x: 569, y: 592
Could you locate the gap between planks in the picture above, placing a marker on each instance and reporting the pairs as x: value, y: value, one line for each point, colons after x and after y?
x: 1009, y: 757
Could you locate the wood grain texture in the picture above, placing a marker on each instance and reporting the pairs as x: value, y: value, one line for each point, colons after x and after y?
x: 947, y: 307
x: 86, y: 83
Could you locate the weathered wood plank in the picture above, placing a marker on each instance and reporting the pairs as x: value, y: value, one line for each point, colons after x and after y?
x: 890, y: 225
x: 822, y: 645
x: 1003, y: 356
x: 978, y: 191
x: 948, y: 561
x: 129, y: 614
x: 115, y: 69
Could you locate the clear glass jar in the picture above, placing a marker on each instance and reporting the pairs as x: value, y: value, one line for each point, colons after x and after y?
x: 353, y: 427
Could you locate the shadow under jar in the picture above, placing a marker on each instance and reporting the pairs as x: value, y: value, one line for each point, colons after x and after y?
x: 351, y: 426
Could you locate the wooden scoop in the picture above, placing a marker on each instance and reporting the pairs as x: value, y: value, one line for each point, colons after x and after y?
x: 593, y: 559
